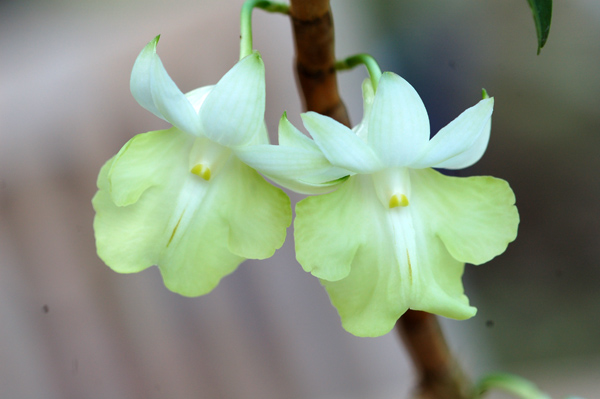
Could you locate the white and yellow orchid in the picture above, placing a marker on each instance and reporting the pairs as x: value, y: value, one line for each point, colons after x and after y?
x: 181, y: 198
x: 396, y: 234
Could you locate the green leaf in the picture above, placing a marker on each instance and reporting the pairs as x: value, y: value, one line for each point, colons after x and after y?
x: 513, y: 384
x: 542, y: 16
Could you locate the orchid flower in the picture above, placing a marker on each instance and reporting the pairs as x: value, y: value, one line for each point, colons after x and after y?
x: 181, y: 198
x: 396, y: 234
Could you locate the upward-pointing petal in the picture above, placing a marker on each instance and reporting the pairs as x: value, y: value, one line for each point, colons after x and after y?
x: 398, y: 124
x: 471, y: 155
x: 171, y: 102
x: 154, y: 90
x: 462, y: 142
x: 233, y: 112
x: 139, y: 83
x: 290, y: 136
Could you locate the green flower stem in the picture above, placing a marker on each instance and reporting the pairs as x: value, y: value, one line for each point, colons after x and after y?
x: 515, y: 385
x: 362, y: 59
x: 246, y: 21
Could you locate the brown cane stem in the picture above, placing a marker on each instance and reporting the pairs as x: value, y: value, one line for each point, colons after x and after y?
x: 440, y: 375
x: 315, y: 58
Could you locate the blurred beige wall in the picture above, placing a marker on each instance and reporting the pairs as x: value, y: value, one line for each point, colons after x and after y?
x: 72, y: 328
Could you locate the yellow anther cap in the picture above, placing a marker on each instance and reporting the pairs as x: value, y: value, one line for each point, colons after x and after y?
x: 398, y: 201
x: 202, y: 171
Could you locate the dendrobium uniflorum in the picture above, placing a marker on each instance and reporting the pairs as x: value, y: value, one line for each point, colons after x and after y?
x: 181, y: 198
x: 396, y: 234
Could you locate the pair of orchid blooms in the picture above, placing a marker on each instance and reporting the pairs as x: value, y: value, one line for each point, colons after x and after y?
x: 383, y: 231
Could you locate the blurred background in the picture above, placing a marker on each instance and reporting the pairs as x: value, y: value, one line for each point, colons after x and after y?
x: 72, y: 328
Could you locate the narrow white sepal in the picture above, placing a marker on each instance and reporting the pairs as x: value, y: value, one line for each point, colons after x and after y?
x: 340, y: 145
x: 462, y: 142
x: 153, y: 89
x: 283, y: 162
x: 171, y: 102
x: 139, y: 83
x: 290, y: 136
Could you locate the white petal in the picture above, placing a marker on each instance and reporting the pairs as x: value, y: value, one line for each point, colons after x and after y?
x: 233, y: 112
x: 317, y: 178
x: 154, y: 90
x: 398, y: 125
x: 139, y: 83
x: 197, y: 96
x: 473, y: 154
x: 279, y: 161
x: 261, y: 137
x: 462, y: 142
x: 290, y: 136
x: 340, y: 145
x: 171, y: 102
x: 298, y: 169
